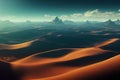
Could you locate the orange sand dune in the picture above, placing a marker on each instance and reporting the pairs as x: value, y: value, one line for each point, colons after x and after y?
x: 57, y: 71
x: 57, y: 68
x: 74, y: 54
x: 74, y: 64
x: 83, y: 53
x: 36, y: 68
x: 16, y: 46
x: 110, y: 41
x: 34, y: 58
x: 104, y: 70
x: 91, y: 72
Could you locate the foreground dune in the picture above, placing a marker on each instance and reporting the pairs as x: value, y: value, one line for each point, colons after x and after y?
x: 35, y: 67
x: 64, y: 71
x: 105, y: 70
x: 92, y: 63
x: 60, y: 68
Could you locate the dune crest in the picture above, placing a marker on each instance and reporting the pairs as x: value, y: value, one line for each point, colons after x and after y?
x: 90, y: 63
x: 105, y: 43
x: 101, y: 70
x: 73, y: 54
x: 37, y: 68
x: 84, y: 52
x: 16, y: 46
x: 62, y: 72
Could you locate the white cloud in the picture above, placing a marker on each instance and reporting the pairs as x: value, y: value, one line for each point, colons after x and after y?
x: 49, y: 16
x: 99, y: 15
x: 74, y: 17
x: 93, y: 15
x: 119, y: 10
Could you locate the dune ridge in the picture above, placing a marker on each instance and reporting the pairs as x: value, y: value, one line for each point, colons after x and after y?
x: 16, y: 46
x: 74, y: 54
x: 105, y: 43
x: 74, y: 51
x: 90, y: 72
x: 39, y: 71
x: 92, y: 63
x: 78, y: 64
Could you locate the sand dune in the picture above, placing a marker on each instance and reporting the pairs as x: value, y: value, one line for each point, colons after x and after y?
x: 59, y: 67
x: 16, y: 46
x: 73, y: 53
x: 98, y: 71
x: 92, y: 63
x: 37, y: 67
x: 110, y: 41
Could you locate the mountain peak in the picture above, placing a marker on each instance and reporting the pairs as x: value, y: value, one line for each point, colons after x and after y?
x: 110, y: 23
x: 57, y: 20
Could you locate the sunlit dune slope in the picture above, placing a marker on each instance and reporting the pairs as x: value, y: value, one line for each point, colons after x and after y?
x: 92, y: 63
x: 66, y: 53
x: 41, y: 66
x: 110, y: 41
x: 70, y: 54
x: 54, y: 67
x: 47, y: 56
x: 105, y: 70
x: 111, y: 44
x: 16, y: 46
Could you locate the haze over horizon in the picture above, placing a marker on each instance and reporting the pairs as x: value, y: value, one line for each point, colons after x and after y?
x: 46, y: 10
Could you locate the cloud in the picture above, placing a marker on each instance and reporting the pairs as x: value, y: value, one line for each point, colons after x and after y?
x: 93, y: 15
x: 119, y: 10
x: 99, y: 15
x: 71, y: 17
x: 49, y: 16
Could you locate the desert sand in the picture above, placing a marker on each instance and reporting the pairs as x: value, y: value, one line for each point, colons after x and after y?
x: 16, y: 46
x: 92, y: 63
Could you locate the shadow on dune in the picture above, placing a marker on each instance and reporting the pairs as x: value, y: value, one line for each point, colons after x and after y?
x: 53, y: 42
x: 113, y: 47
x: 114, y: 75
x: 87, y: 57
x: 84, y: 61
x: 7, y: 73
x: 55, y: 53
x: 104, y: 70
